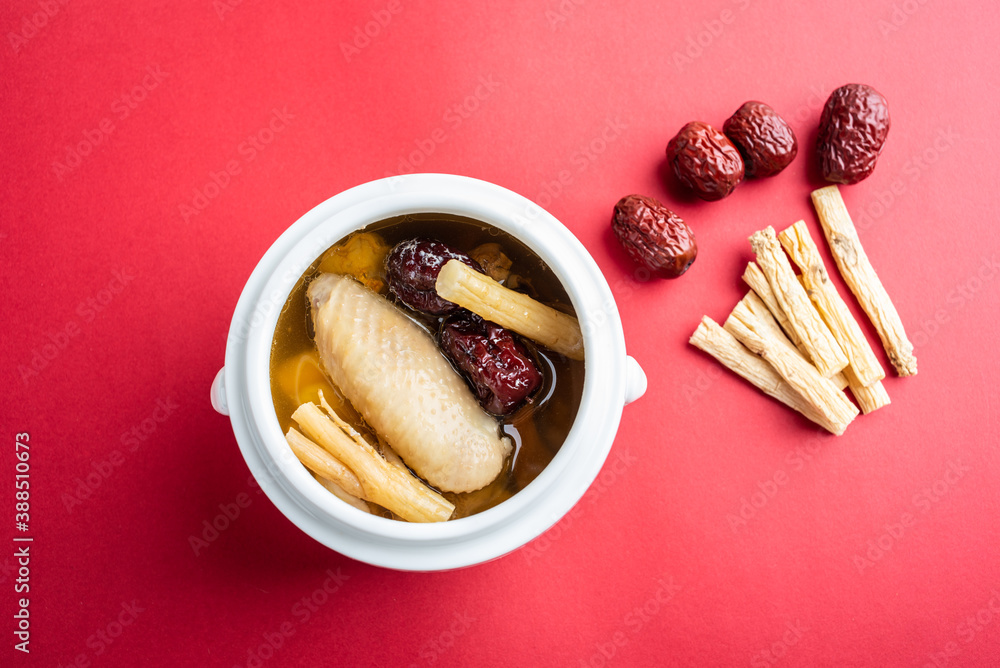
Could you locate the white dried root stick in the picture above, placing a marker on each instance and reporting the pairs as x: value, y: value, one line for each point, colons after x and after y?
x: 860, y: 276
x: 765, y: 311
x: 759, y: 308
x: 792, y: 299
x: 757, y: 281
x: 528, y: 317
x: 869, y: 397
x: 723, y: 346
x: 752, y: 302
x: 755, y: 305
x: 341, y: 494
x: 383, y: 483
x: 816, y: 390
x: 322, y: 463
x: 384, y: 448
x: 799, y: 245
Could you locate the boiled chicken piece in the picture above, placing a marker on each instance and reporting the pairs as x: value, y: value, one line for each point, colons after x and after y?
x: 393, y: 373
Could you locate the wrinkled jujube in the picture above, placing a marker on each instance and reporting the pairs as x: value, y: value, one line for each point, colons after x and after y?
x: 654, y: 236
x: 704, y: 160
x: 766, y: 142
x: 852, y: 132
x: 412, y: 268
x: 498, y: 366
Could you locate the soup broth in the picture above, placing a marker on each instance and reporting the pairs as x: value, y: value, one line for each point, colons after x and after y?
x: 537, y: 429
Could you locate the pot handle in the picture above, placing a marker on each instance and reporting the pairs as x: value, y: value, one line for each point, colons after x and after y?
x: 635, y: 380
x: 218, y: 392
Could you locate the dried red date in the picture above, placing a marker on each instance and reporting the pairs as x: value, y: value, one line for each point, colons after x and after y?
x: 412, y: 268
x: 852, y: 131
x: 498, y: 366
x: 704, y: 160
x: 654, y: 236
x: 763, y: 138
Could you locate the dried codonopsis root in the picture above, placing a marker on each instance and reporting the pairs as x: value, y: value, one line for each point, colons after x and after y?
x: 791, y: 297
x: 869, y: 397
x: 488, y: 299
x: 860, y: 276
x: 797, y: 241
x: 757, y: 281
x: 723, y: 346
x: 383, y: 483
x: 864, y: 373
x: 339, y: 492
x: 751, y: 303
x: 816, y: 390
x: 322, y: 463
x: 755, y: 278
x: 754, y: 305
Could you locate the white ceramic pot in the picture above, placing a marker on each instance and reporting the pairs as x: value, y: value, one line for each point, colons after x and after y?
x: 242, y: 391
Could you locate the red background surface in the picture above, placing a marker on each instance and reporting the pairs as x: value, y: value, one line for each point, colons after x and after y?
x: 652, y: 567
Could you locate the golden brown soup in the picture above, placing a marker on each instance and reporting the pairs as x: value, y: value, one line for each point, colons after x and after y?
x: 538, y: 429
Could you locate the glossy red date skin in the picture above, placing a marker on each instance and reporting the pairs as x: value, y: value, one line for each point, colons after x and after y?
x: 852, y: 132
x: 499, y: 368
x: 704, y: 160
x: 412, y: 268
x: 766, y: 142
x: 654, y: 236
